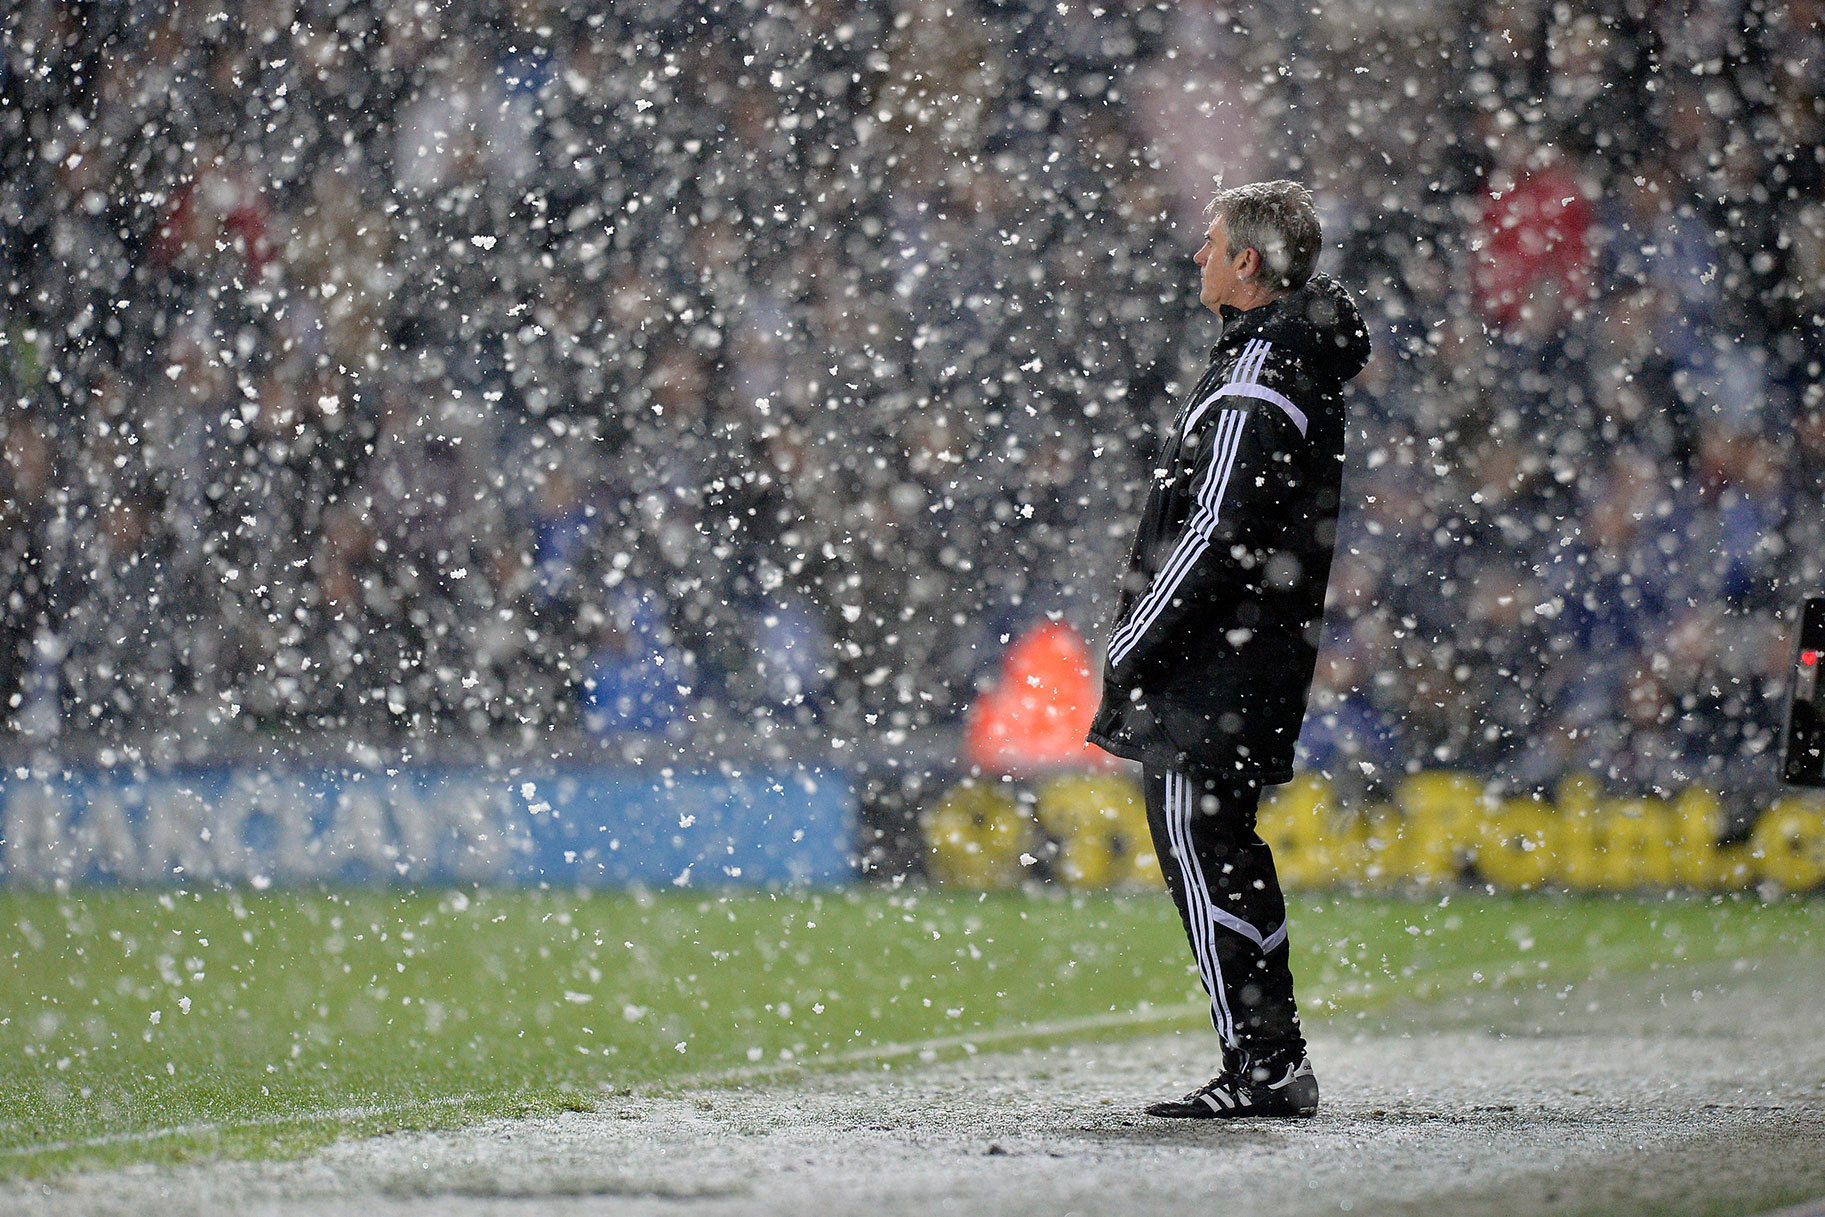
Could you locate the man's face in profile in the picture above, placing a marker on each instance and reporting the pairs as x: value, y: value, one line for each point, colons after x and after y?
x: 1222, y: 276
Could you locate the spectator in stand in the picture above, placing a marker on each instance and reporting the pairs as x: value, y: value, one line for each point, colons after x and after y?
x: 25, y: 567
x: 1534, y: 239
x: 637, y: 679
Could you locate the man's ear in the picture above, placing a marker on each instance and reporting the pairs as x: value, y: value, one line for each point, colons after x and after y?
x: 1249, y: 264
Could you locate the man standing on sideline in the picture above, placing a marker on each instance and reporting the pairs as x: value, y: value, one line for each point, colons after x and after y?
x: 1216, y: 640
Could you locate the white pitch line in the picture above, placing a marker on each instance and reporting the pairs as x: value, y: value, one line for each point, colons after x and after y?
x: 1810, y: 1208
x: 881, y: 1052
x: 857, y: 1056
x: 207, y: 1128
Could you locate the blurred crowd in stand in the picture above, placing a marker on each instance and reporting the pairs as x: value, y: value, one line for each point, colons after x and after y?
x: 518, y: 374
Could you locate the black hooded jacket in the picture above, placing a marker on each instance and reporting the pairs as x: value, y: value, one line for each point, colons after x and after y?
x: 1213, y: 649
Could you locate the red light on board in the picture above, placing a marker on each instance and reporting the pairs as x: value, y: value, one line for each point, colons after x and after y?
x: 1809, y: 659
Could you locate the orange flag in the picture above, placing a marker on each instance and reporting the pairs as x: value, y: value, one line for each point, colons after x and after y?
x: 1035, y: 716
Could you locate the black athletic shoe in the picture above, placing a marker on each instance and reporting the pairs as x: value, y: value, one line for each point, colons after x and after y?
x: 1253, y: 1091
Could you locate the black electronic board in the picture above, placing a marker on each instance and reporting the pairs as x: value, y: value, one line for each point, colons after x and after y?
x: 1803, y: 757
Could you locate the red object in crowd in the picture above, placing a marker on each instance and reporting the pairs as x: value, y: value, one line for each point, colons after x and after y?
x: 1034, y: 718
x: 1535, y: 236
x: 216, y: 204
x: 1809, y: 658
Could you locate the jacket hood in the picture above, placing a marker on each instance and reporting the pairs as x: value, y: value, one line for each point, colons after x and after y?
x: 1320, y: 322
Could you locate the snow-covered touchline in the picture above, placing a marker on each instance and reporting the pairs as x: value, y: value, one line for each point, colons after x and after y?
x: 1135, y: 1019
x: 858, y: 1056
x: 210, y: 1127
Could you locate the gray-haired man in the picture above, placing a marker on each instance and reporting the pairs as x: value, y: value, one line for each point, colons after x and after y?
x: 1212, y: 652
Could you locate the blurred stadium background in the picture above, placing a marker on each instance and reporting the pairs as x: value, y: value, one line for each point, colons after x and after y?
x: 545, y: 409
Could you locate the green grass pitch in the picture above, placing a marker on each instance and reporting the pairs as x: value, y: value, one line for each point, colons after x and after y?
x: 160, y: 1026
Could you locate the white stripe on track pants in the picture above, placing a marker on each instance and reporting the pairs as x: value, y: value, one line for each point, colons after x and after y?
x: 1221, y: 875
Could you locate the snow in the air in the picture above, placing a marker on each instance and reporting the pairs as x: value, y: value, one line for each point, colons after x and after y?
x: 403, y: 380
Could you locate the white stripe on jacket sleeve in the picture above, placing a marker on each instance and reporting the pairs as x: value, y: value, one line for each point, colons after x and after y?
x: 1192, y: 544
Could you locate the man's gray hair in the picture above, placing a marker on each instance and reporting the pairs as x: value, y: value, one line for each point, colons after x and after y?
x: 1278, y: 221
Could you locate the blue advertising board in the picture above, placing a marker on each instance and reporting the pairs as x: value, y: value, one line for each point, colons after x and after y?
x: 570, y: 826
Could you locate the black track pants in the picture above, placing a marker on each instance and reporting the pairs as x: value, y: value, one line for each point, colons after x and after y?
x: 1221, y: 875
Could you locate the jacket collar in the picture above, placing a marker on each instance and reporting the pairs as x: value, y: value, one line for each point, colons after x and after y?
x: 1239, y: 324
